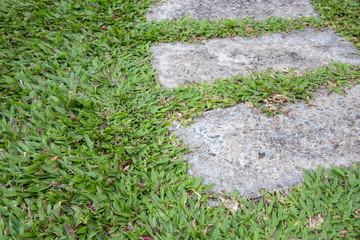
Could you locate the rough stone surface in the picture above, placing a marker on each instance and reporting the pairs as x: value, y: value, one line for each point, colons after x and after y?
x: 180, y: 63
x: 238, y: 148
x: 218, y: 9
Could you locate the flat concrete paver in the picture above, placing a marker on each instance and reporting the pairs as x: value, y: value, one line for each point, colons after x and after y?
x: 180, y: 63
x: 217, y: 9
x: 238, y: 148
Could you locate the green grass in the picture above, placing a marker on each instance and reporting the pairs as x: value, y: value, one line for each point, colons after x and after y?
x: 84, y: 149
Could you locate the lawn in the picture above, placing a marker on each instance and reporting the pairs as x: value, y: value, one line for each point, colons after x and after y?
x: 85, y: 151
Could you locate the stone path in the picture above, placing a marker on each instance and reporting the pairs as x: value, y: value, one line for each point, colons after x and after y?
x: 181, y: 63
x: 210, y: 9
x: 237, y: 148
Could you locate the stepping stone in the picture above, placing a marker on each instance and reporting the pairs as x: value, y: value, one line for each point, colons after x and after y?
x: 238, y: 148
x: 211, y: 9
x: 183, y: 63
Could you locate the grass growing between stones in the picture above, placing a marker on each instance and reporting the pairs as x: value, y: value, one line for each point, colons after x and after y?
x: 84, y: 149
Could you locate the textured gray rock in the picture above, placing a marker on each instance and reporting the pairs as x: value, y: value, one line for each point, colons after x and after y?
x: 238, y: 148
x: 212, y: 9
x: 180, y: 63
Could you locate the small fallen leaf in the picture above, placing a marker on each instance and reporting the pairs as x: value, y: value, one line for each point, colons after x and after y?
x: 250, y: 104
x: 68, y: 228
x: 103, y: 27
x: 53, y: 159
x: 40, y: 131
x: 285, y: 70
x: 130, y: 227
x: 72, y: 116
x: 146, y: 238
x: 91, y: 208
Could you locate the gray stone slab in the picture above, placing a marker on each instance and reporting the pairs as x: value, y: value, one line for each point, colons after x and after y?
x: 184, y: 63
x: 218, y: 9
x: 238, y: 148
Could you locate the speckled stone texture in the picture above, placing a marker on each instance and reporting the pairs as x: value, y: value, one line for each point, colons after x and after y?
x: 218, y: 9
x: 180, y: 63
x: 238, y: 148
